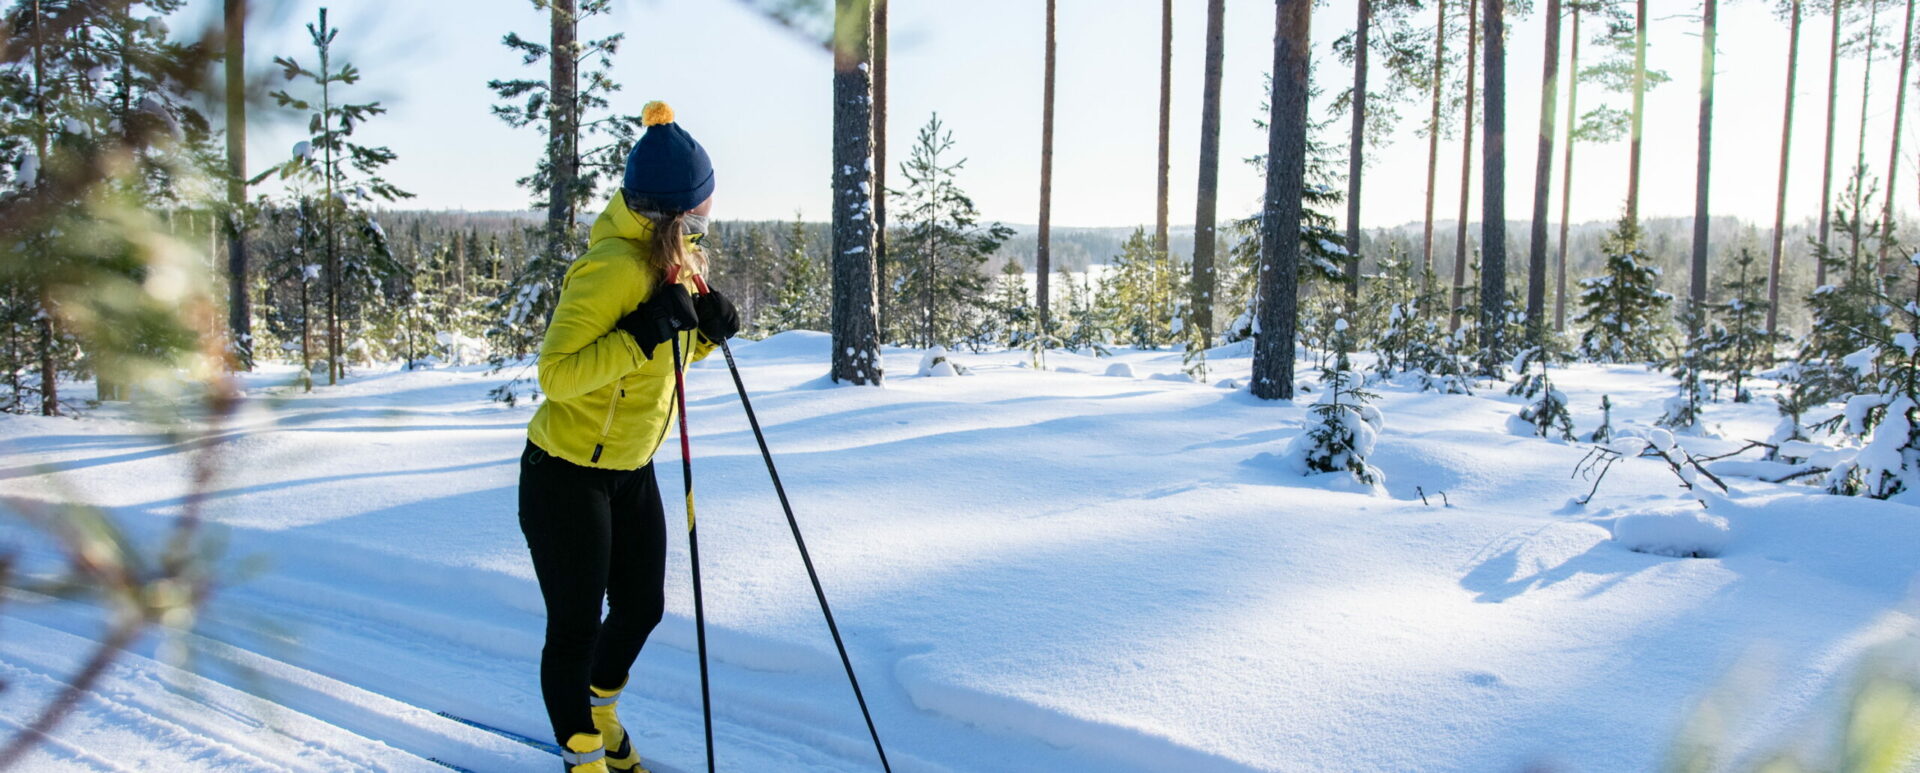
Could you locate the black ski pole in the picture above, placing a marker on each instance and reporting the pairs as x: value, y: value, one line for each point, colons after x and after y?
x: 693, y: 546
x: 805, y: 557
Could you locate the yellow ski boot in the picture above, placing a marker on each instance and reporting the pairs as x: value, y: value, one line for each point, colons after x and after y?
x: 620, y: 754
x: 584, y: 753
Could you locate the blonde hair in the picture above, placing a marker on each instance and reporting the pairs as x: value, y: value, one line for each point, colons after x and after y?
x: 670, y: 244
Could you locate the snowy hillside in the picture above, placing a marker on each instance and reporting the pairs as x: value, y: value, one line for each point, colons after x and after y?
x: 1036, y: 571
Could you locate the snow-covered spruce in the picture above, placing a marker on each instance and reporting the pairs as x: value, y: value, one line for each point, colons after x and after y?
x: 1682, y: 411
x: 1739, y: 342
x: 1344, y: 426
x: 1623, y: 312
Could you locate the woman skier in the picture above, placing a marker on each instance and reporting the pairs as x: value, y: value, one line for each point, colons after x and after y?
x: 589, y: 504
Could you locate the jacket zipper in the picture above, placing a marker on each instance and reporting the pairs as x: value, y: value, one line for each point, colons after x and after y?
x: 620, y: 391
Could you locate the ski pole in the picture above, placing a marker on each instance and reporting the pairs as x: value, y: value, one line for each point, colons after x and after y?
x: 805, y: 557
x: 693, y: 546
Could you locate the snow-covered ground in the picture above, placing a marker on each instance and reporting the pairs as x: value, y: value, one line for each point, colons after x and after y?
x: 1053, y: 570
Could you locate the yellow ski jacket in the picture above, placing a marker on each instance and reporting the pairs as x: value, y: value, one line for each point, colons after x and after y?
x: 607, y: 405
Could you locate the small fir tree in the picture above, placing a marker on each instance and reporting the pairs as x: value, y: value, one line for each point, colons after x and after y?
x: 1683, y: 409
x: 1547, y: 415
x: 1623, y: 312
x: 1889, y: 463
x: 1740, y: 344
x: 1345, y: 425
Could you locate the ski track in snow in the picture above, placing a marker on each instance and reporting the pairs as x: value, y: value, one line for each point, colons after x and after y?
x: 1035, y: 571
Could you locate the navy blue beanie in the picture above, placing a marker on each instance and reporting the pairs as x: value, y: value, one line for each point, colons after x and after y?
x: 667, y: 171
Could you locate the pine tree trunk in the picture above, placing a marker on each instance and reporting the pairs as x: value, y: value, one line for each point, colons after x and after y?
x: 856, y: 342
x: 1543, y: 182
x: 1286, y: 182
x: 1205, y: 213
x: 1466, y: 170
x: 1161, y: 257
x: 880, y: 259
x: 1639, y: 109
x: 1566, y: 173
x: 1826, y: 175
x: 562, y: 133
x: 1893, y: 155
x: 1433, y: 142
x: 1043, y: 248
x: 49, y: 368
x: 1780, y: 195
x: 332, y: 204
x: 306, y: 336
x: 1709, y: 30
x: 239, y: 308
x: 1493, y: 203
x: 1357, y: 144
x: 1860, y: 163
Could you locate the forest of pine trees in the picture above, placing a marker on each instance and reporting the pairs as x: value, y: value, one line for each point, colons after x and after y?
x: 331, y: 273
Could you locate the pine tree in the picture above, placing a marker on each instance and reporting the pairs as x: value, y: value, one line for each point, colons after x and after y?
x: 1282, y: 216
x: 856, y: 334
x: 239, y: 270
x: 347, y: 174
x: 1321, y: 254
x: 1493, y: 202
x: 1616, y: 73
x: 1624, y: 312
x: 1345, y: 425
x: 586, y: 146
x: 942, y: 246
x: 1683, y: 410
x: 1849, y: 316
x: 1200, y: 325
x: 1742, y: 343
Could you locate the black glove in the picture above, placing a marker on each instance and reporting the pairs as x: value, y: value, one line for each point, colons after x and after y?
x: 670, y: 310
x: 719, y: 320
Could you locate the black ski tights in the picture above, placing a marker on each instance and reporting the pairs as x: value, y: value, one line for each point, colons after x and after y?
x: 593, y: 534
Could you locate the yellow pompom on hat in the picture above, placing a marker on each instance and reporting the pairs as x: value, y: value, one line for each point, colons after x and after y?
x: 655, y: 113
x: 667, y: 170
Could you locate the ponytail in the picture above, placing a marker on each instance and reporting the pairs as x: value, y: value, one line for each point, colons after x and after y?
x: 670, y: 244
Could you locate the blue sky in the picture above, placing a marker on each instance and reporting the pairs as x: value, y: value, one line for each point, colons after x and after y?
x: 760, y: 101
